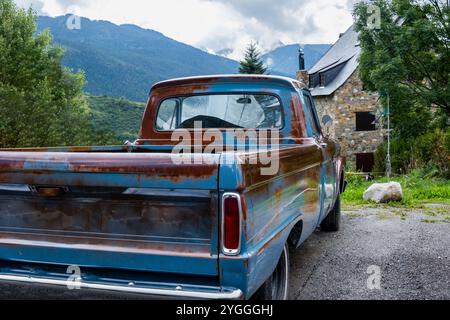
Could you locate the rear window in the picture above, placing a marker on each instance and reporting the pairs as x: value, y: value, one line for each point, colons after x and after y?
x: 248, y: 111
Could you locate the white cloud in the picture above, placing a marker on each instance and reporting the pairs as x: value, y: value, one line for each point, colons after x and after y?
x: 218, y: 24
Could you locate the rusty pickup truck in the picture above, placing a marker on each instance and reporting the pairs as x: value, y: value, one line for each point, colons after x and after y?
x: 185, y: 211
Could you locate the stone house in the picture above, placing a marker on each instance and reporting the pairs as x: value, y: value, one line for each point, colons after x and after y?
x: 338, y: 92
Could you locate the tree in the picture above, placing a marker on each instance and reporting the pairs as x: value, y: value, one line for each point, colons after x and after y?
x: 410, y: 52
x: 407, y: 59
x: 41, y: 102
x: 252, y: 63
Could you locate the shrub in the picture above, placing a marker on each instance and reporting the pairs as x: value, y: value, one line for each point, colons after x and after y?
x: 430, y: 150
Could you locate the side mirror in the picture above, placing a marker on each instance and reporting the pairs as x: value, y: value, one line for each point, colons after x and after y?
x: 327, y: 121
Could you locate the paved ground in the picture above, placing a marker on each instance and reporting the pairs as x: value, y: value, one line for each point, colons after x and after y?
x: 411, y: 249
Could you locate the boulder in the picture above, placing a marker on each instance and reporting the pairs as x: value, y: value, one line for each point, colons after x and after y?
x: 384, y: 192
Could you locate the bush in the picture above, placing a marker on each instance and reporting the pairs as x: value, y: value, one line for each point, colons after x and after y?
x: 430, y: 150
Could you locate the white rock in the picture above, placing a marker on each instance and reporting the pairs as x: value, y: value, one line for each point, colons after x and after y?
x: 384, y: 192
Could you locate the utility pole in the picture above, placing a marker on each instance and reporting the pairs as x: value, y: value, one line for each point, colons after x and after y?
x: 388, y: 156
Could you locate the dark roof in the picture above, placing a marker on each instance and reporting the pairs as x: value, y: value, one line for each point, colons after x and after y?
x: 345, y: 52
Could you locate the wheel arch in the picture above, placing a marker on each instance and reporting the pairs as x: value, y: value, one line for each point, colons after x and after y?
x: 294, y: 239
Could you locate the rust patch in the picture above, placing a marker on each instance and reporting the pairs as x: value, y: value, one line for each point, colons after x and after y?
x: 292, y: 158
x: 298, y: 120
x: 157, y: 165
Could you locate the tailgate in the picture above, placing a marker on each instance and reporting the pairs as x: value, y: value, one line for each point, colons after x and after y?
x: 109, y: 210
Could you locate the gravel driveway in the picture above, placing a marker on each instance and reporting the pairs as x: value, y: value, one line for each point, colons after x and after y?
x: 409, y: 249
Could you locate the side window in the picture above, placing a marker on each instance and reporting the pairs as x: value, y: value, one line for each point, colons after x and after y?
x: 311, y: 116
x: 167, y: 115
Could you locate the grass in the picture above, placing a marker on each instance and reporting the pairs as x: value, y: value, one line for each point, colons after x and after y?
x: 418, y: 188
x: 385, y: 215
x: 429, y: 221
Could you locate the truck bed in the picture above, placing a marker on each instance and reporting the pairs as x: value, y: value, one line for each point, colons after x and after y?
x: 109, y: 207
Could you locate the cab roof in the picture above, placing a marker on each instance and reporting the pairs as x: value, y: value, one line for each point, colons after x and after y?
x: 232, y: 78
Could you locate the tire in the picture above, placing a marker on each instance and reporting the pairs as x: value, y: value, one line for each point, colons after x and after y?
x: 277, y: 286
x: 332, y: 222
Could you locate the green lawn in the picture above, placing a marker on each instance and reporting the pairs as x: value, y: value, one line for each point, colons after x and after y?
x: 418, y: 188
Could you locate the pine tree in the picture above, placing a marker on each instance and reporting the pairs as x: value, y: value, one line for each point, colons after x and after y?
x: 252, y: 63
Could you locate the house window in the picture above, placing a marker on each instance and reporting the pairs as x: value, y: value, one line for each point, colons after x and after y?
x: 322, y: 80
x: 365, y: 121
x: 311, y: 81
x: 365, y: 162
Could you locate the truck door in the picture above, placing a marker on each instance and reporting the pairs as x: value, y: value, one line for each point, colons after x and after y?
x: 328, y: 174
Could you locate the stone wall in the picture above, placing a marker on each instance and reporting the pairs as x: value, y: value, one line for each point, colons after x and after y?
x: 342, y: 107
x: 303, y: 77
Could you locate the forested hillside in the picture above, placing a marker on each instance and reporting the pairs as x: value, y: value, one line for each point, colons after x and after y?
x: 118, y: 116
x: 124, y: 61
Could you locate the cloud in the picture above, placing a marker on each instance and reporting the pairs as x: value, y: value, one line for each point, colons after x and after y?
x: 277, y: 15
x: 270, y: 22
x: 54, y: 7
x: 266, y: 22
x: 219, y: 24
x: 36, y: 5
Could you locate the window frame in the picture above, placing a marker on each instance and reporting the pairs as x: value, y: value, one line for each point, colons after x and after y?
x: 322, y: 80
x: 307, y: 95
x: 311, y: 81
x: 283, y: 118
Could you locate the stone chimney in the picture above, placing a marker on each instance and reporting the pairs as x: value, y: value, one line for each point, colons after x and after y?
x: 302, y: 74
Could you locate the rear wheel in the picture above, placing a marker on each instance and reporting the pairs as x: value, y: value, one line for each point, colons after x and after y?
x: 277, y: 286
x: 332, y: 222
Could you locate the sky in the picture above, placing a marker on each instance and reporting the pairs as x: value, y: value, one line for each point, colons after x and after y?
x: 214, y: 25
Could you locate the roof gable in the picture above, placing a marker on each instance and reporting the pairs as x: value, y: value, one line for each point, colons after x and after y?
x: 345, y: 52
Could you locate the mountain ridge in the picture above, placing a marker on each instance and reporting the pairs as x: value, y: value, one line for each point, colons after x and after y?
x: 126, y: 60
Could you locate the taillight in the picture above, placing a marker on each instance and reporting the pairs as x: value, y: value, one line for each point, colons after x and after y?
x: 231, y: 237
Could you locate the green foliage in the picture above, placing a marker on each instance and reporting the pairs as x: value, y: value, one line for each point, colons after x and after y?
x: 447, y: 140
x: 430, y: 150
x: 420, y: 185
x: 409, y: 55
x: 117, y: 116
x: 407, y: 59
x: 252, y: 63
x: 126, y: 60
x: 41, y: 102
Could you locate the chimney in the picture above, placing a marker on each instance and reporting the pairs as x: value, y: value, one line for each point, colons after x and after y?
x: 302, y: 74
x: 301, y: 59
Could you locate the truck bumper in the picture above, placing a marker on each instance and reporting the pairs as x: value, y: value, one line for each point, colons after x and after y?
x: 161, y: 291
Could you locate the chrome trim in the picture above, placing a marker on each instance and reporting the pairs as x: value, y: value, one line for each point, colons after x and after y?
x: 225, y: 251
x: 168, y: 192
x: 176, y: 292
x: 15, y: 187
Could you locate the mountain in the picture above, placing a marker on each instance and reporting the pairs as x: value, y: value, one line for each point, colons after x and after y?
x: 126, y: 60
x: 284, y: 60
x: 226, y: 52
